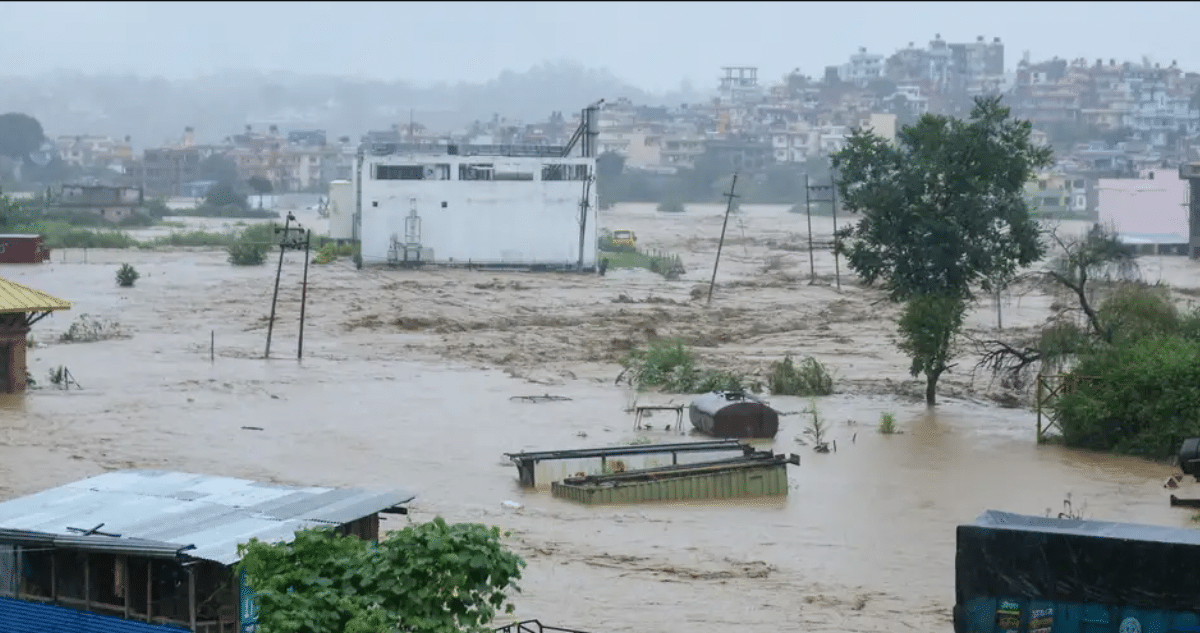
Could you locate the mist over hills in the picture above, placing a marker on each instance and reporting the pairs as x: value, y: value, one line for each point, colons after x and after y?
x: 154, y: 110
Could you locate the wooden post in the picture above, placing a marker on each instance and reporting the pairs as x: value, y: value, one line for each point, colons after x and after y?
x: 87, y: 582
x: 125, y: 586
x: 837, y: 268
x: 149, y: 590
x: 192, y: 597
x: 212, y: 346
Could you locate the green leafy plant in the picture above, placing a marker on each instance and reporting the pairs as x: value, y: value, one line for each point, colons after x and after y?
x: 887, y: 423
x: 252, y: 244
x: 127, y: 275
x: 430, y: 577
x: 670, y: 366
x: 806, y: 378
x: 815, y: 428
x: 928, y: 325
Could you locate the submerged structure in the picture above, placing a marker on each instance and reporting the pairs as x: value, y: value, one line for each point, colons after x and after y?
x: 733, y: 414
x: 1035, y: 574
x: 757, y: 474
x: 610, y: 458
x: 142, y: 551
x: 20, y: 307
x: 527, y: 206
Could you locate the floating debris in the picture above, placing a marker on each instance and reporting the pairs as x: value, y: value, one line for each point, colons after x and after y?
x: 543, y: 398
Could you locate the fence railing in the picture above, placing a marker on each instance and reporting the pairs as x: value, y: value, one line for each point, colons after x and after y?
x: 534, y: 626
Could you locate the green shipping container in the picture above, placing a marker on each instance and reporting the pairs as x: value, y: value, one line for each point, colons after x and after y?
x: 769, y: 480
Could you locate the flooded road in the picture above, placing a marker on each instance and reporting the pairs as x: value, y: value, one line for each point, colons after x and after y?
x: 407, y: 382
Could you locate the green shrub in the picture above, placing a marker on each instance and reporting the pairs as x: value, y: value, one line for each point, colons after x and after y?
x: 887, y: 423
x: 807, y: 378
x: 671, y: 367
x: 127, y: 275
x: 1140, y: 397
x: 251, y: 245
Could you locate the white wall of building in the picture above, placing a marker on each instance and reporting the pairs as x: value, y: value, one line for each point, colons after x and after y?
x: 341, y: 210
x: 1145, y: 207
x: 502, y: 220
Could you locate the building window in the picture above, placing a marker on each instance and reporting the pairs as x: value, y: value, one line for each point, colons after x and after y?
x: 564, y: 172
x: 513, y: 174
x: 399, y: 172
x: 478, y: 171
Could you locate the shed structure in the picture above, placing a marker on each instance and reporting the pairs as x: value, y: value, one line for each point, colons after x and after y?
x: 140, y: 550
x: 20, y: 307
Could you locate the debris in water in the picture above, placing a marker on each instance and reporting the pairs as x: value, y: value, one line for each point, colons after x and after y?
x: 512, y: 504
x: 252, y: 428
x: 543, y: 398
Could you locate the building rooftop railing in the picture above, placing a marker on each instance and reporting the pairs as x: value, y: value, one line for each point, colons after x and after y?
x: 528, y: 151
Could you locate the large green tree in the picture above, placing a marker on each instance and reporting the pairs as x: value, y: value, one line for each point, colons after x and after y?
x: 431, y: 577
x: 20, y: 135
x: 942, y: 214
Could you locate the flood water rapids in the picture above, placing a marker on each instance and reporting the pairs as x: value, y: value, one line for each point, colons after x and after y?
x: 408, y: 377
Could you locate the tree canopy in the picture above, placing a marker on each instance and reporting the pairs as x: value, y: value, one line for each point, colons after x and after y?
x: 943, y: 209
x: 942, y: 212
x: 431, y: 577
x: 223, y: 194
x: 20, y: 135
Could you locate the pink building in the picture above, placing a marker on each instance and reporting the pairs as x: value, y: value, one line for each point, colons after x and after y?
x: 1151, y: 210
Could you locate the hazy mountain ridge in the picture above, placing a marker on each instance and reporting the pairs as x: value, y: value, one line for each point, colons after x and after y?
x: 153, y: 110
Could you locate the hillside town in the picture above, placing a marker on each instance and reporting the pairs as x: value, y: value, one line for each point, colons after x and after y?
x: 1106, y: 119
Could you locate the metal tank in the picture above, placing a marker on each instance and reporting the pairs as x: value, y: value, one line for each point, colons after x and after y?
x: 731, y: 414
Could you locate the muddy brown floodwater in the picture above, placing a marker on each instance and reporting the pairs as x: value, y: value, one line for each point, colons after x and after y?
x: 407, y: 379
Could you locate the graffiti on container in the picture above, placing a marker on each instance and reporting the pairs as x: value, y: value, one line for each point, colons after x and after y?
x: 1041, y: 620
x: 1008, y: 617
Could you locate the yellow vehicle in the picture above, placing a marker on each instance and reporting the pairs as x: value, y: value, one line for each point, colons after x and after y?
x: 624, y: 238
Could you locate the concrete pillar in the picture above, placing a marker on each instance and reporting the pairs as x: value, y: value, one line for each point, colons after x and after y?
x: 12, y: 353
x: 1191, y: 173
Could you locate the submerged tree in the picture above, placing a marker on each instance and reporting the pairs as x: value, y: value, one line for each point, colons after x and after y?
x: 427, y: 578
x: 943, y: 213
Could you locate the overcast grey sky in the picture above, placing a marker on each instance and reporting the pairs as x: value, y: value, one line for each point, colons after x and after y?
x: 652, y: 45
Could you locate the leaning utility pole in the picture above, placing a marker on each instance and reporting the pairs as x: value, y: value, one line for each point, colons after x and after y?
x: 721, y: 243
x: 278, y: 271
x: 304, y: 292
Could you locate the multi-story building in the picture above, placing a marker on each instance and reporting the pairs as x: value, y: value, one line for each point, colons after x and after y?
x: 165, y: 170
x: 862, y: 69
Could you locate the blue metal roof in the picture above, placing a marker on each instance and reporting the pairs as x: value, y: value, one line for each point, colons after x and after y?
x: 19, y: 616
x: 162, y: 510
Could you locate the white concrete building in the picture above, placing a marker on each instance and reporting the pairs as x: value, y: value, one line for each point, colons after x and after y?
x: 477, y: 210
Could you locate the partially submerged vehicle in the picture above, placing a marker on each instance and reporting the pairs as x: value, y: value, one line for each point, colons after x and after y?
x: 733, y: 414
x: 1026, y: 574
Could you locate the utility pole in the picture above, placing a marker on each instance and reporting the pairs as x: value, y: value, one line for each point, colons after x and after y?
x: 812, y: 258
x: 278, y: 271
x: 304, y: 292
x: 837, y: 260
x: 721, y: 243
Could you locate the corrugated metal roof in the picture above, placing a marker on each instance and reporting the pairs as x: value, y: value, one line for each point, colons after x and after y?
x: 20, y: 616
x: 15, y: 297
x: 213, y: 514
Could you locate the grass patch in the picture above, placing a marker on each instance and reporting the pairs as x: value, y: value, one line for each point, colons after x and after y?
x: 887, y: 423
x: 670, y: 366
x: 807, y: 378
x: 329, y: 252
x: 669, y: 266
x: 192, y: 239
